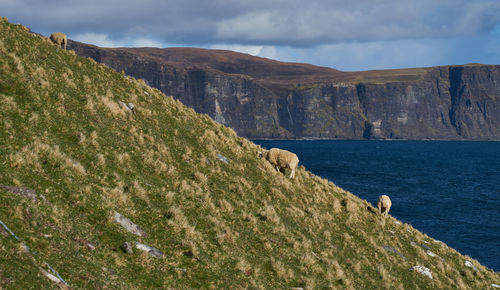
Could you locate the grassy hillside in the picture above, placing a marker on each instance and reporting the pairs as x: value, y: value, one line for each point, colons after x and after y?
x: 221, y: 216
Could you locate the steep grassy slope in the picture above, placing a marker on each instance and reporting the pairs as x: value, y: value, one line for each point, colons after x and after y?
x: 221, y: 216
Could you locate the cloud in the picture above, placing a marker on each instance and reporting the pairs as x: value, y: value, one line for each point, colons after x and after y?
x: 101, y: 40
x: 260, y: 22
x: 357, y: 56
x: 145, y: 42
x: 249, y: 49
x: 364, y: 33
x: 330, y: 22
x: 255, y: 50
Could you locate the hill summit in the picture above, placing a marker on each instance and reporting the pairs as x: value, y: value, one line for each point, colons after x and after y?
x: 106, y: 182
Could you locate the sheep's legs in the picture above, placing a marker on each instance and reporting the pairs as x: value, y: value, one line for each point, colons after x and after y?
x: 292, y: 175
x: 385, y: 211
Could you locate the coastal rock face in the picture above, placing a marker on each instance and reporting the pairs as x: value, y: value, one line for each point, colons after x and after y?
x: 450, y: 102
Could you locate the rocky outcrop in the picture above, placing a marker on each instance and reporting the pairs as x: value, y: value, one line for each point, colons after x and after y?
x: 447, y: 103
x: 451, y: 102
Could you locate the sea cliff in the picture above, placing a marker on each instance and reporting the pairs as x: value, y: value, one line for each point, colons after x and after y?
x: 260, y: 98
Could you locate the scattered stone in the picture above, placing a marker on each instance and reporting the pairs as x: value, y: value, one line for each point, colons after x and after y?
x: 393, y: 250
x: 495, y: 285
x: 129, y: 106
x: 426, y: 247
x: 470, y: 265
x: 397, y: 222
x: 57, y: 274
x: 422, y: 270
x: 129, y: 225
x: 222, y: 158
x: 22, y: 191
x: 152, y: 251
x: 123, y: 104
x: 146, y: 93
x: 47, y: 236
x: 439, y: 242
x: 413, y: 244
x: 90, y: 246
x: 390, y: 249
x: 180, y: 269
x: 431, y: 254
x: 127, y: 248
x: 50, y: 276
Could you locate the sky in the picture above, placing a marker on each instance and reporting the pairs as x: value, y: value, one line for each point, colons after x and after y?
x: 343, y: 34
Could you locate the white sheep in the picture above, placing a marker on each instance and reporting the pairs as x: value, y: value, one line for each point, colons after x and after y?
x: 384, y: 205
x: 281, y: 159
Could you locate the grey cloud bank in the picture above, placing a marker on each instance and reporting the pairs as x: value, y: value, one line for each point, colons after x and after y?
x: 329, y: 33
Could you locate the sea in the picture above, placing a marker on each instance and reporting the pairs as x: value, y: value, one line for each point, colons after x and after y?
x: 450, y: 190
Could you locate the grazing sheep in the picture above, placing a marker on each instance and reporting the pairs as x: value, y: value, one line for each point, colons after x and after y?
x: 384, y: 205
x: 59, y: 38
x: 281, y: 159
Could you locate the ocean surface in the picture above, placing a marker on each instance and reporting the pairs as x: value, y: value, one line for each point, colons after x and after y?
x: 446, y: 189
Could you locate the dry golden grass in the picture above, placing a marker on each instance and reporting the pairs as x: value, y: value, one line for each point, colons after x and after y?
x: 270, y: 214
x: 123, y: 159
x: 32, y: 154
x: 281, y: 270
x: 117, y: 195
x: 140, y: 191
x: 8, y: 103
x: 68, y: 80
x: 2, y: 47
x: 17, y: 62
x: 180, y: 223
x: 90, y: 106
x: 112, y: 106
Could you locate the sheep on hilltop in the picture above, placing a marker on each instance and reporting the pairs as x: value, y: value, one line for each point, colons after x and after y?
x: 281, y: 159
x: 60, y: 39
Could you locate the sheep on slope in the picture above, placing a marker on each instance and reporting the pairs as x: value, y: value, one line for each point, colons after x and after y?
x: 281, y: 159
x: 384, y: 205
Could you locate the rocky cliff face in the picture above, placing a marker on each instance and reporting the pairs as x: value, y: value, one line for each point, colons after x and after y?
x: 454, y: 103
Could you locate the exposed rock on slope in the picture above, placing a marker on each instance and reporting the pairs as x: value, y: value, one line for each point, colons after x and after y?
x: 261, y: 98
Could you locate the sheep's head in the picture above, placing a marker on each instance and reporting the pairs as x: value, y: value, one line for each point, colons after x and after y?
x: 262, y: 153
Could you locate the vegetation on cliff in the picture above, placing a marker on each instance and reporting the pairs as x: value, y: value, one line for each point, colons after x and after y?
x: 83, y: 147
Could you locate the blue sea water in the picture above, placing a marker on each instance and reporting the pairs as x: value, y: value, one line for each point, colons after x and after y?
x: 449, y: 190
